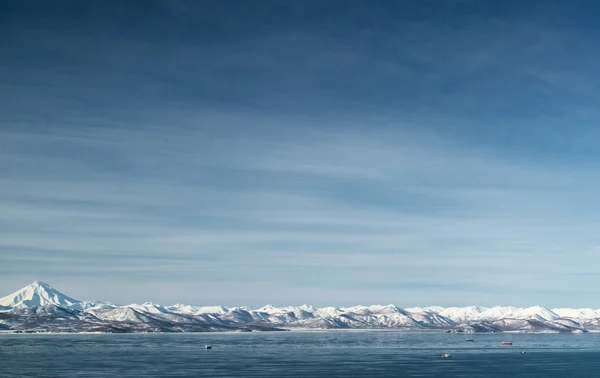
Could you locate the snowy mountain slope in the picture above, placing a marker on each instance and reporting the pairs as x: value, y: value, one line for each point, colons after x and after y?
x: 196, y: 310
x: 532, y: 325
x: 456, y: 314
x: 122, y: 314
x: 501, y: 312
x: 577, y: 313
x: 433, y: 319
x: 39, y: 307
x: 37, y: 294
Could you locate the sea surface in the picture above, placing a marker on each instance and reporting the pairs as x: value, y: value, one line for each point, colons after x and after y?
x: 299, y: 354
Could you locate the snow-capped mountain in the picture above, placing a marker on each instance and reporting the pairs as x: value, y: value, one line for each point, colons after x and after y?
x: 37, y: 294
x: 456, y: 314
x: 39, y: 307
x: 578, y: 313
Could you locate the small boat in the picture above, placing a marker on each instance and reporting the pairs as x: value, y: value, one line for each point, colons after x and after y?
x: 469, y: 340
x: 522, y: 352
x: 506, y: 343
x: 444, y: 355
x: 209, y: 347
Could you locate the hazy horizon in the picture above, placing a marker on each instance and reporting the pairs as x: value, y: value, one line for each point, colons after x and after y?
x: 49, y: 291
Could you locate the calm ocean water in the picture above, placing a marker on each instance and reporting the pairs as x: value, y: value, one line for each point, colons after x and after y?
x: 300, y: 354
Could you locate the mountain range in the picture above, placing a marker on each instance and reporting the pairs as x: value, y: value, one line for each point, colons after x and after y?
x: 41, y: 308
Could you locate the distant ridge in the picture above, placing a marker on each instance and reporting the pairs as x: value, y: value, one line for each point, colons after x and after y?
x: 41, y: 308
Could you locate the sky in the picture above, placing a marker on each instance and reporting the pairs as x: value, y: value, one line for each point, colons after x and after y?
x: 288, y: 152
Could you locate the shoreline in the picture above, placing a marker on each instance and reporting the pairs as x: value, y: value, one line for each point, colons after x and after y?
x: 293, y: 330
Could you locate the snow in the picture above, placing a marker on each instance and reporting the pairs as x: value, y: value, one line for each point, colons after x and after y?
x: 41, y: 299
x: 37, y: 294
x: 195, y: 310
x: 539, y: 312
x: 456, y: 314
x: 577, y: 313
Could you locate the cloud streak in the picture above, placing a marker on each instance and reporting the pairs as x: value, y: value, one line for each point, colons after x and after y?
x: 277, y: 154
x: 240, y: 210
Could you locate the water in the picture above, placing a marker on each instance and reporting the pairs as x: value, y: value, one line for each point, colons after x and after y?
x: 300, y: 354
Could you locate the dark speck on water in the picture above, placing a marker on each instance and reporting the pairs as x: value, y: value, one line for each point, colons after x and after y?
x: 299, y: 354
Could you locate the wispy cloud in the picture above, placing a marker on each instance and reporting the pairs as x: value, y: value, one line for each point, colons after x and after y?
x: 308, y: 208
x: 297, y: 153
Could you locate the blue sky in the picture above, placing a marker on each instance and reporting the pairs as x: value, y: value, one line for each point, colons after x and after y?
x: 332, y: 153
